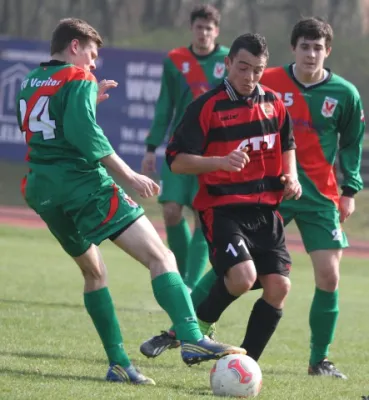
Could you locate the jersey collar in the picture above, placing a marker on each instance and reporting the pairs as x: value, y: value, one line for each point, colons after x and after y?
x: 235, y: 96
x: 53, y: 63
x: 327, y: 79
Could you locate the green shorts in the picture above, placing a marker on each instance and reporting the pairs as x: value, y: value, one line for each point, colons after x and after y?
x: 177, y: 188
x: 91, y: 219
x: 320, y: 230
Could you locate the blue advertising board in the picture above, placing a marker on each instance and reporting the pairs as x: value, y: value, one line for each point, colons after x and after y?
x: 125, y: 117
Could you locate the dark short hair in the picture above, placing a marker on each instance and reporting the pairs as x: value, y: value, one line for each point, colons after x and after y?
x: 312, y: 28
x: 73, y: 28
x: 205, y: 11
x: 252, y: 42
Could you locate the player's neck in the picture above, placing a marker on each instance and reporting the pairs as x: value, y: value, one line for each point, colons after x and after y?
x: 60, y: 57
x: 201, y: 51
x: 308, y: 79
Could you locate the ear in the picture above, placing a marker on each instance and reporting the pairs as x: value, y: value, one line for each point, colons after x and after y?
x: 228, y: 63
x: 328, y: 52
x: 74, y: 44
x: 216, y: 32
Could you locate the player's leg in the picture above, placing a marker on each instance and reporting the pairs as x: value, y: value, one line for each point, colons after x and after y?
x: 173, y: 198
x: 167, y: 340
x: 97, y: 298
x: 170, y: 291
x: 198, y: 252
x: 231, y: 260
x: 324, y: 241
x: 273, y: 264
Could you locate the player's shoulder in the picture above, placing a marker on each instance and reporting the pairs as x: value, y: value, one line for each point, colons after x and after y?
x: 343, y: 85
x: 273, y: 72
x: 209, y: 97
x: 223, y: 50
x: 268, y: 93
x: 80, y: 74
x: 177, y: 51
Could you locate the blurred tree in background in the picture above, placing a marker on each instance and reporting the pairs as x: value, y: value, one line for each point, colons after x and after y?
x: 163, y: 24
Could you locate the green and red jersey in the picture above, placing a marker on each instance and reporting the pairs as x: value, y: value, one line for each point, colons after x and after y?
x: 328, y: 119
x: 56, y: 109
x: 185, y: 77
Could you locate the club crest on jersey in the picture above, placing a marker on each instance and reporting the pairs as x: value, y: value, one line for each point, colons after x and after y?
x: 329, y: 105
x: 219, y: 70
x: 267, y: 109
x: 362, y: 116
x: 185, y: 67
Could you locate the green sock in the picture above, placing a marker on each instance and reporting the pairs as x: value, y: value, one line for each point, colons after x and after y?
x: 197, y: 258
x: 201, y: 290
x: 172, y: 295
x: 179, y: 238
x: 323, y: 320
x: 100, y: 306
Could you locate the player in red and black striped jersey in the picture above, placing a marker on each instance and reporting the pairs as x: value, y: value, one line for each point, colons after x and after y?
x: 238, y: 139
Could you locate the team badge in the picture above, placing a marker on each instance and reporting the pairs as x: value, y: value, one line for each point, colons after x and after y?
x: 185, y: 67
x: 219, y: 70
x: 267, y: 109
x: 362, y: 116
x: 329, y: 105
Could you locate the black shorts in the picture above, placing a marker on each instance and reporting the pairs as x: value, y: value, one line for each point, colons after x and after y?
x: 240, y: 233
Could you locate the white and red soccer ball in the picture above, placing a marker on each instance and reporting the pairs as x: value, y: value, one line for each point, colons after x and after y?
x: 236, y: 375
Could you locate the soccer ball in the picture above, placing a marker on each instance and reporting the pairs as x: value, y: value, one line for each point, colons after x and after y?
x: 236, y: 375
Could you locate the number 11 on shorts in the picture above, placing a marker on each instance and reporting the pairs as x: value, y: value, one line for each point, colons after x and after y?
x: 231, y: 249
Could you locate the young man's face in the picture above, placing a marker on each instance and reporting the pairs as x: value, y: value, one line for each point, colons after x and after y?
x: 245, y: 71
x: 84, y: 56
x: 310, y: 55
x: 204, y: 33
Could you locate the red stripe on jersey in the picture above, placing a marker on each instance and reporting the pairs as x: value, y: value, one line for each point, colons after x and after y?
x: 309, y: 152
x: 24, y: 185
x: 114, y: 204
x: 186, y: 63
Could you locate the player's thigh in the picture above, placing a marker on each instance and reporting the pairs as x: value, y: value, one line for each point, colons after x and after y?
x: 173, y: 187
x: 141, y: 241
x: 104, y: 214
x: 227, y: 245
x: 271, y: 257
x: 63, y: 227
x: 321, y: 230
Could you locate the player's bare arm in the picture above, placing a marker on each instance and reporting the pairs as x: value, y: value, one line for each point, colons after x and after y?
x: 143, y: 185
x: 292, y: 187
x: 193, y: 164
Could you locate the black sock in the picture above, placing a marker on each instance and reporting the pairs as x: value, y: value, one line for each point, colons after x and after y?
x: 262, y: 323
x: 215, y: 303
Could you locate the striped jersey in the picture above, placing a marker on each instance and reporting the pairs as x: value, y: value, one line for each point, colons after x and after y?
x: 328, y: 120
x: 221, y: 121
x: 186, y: 76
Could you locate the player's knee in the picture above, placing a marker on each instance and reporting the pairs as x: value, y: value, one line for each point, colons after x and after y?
x: 276, y: 288
x: 241, y: 278
x: 162, y: 262
x: 172, y: 213
x: 93, y: 272
x: 328, y: 280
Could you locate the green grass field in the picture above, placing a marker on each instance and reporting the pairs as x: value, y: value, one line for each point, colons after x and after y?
x: 49, y: 349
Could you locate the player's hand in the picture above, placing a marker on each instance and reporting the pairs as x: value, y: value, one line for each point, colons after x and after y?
x: 235, y: 161
x: 144, y: 186
x: 104, y: 86
x: 346, y: 207
x: 148, y: 165
x: 292, y: 187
